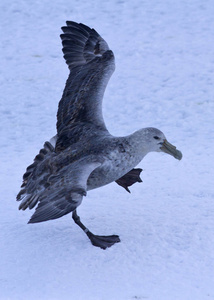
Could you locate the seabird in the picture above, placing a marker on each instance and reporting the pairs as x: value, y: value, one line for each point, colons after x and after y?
x: 84, y: 155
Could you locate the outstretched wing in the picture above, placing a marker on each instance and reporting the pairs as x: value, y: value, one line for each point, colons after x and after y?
x: 91, y: 65
x: 60, y: 194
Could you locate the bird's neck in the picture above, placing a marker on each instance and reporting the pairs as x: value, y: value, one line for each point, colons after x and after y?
x: 137, y: 143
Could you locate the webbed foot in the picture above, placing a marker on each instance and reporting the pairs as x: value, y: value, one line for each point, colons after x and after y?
x: 103, y: 241
x: 129, y: 179
x: 97, y: 240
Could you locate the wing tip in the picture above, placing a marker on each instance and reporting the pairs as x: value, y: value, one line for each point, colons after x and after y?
x: 89, y: 44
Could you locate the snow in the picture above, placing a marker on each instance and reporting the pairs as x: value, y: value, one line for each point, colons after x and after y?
x: 164, y: 78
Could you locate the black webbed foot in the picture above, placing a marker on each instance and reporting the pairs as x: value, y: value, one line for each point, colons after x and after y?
x: 103, y: 241
x: 129, y: 178
x: 97, y: 240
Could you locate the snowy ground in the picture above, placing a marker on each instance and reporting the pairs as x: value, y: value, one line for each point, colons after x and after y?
x: 164, y: 78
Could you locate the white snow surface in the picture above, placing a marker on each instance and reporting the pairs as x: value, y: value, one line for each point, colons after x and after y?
x: 164, y: 78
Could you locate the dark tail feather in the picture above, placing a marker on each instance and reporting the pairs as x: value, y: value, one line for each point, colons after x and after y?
x: 47, y: 148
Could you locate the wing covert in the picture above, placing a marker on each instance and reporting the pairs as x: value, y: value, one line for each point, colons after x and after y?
x: 61, y: 193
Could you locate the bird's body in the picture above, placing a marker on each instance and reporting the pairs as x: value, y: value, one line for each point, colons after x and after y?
x: 84, y: 155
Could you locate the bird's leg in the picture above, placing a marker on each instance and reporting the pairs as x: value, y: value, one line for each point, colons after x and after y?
x: 96, y: 240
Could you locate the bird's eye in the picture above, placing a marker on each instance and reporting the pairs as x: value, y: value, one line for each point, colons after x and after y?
x: 156, y: 137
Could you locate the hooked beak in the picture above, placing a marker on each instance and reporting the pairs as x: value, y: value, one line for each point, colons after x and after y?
x: 170, y: 149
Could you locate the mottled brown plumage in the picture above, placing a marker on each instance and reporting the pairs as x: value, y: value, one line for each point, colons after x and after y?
x: 84, y: 155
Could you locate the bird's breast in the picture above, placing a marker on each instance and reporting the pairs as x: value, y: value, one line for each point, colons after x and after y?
x: 116, y: 164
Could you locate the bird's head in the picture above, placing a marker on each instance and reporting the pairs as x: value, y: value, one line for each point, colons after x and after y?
x: 157, y: 142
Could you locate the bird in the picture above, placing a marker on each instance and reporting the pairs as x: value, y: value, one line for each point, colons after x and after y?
x: 84, y: 155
